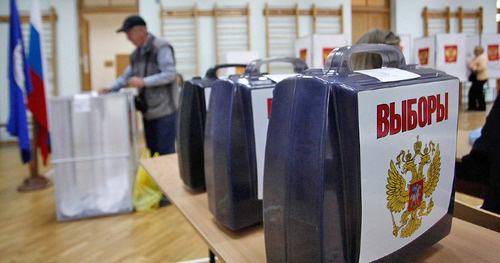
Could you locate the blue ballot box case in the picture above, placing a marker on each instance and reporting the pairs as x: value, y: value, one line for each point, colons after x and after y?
x: 235, y: 138
x: 359, y: 166
x: 193, y: 102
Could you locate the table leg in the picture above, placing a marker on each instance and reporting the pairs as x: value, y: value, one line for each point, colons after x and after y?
x: 212, y: 256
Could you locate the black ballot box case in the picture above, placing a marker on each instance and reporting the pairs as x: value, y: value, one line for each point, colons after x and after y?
x: 359, y: 165
x: 193, y: 102
x: 235, y: 137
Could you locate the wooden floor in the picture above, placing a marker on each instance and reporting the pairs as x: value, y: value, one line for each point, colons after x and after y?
x: 29, y: 231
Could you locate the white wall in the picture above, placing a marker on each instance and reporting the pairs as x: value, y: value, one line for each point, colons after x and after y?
x: 407, y: 15
x: 406, y: 19
x: 4, y: 73
x: 67, y: 49
x: 206, y: 36
x: 105, y: 43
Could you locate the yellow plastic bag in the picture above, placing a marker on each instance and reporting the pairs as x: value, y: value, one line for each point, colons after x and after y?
x: 146, y: 194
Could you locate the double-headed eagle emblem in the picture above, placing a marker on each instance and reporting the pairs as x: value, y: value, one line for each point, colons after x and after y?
x: 450, y: 54
x: 423, y: 56
x: 409, y: 197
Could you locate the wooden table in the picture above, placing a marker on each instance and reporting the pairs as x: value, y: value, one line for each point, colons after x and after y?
x: 466, y: 242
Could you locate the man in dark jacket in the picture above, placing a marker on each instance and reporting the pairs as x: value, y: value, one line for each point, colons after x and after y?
x: 152, y: 72
x: 482, y: 164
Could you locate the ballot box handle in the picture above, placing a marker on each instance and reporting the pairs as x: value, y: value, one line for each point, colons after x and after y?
x: 339, y: 60
x: 212, y: 72
x: 253, y: 68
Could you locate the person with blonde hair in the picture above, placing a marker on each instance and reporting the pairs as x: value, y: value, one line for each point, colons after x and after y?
x: 370, y: 60
x: 479, y: 71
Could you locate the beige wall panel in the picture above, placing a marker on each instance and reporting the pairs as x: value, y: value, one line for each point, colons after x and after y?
x: 379, y: 20
x: 94, y: 3
x: 105, y: 43
x: 364, y: 21
x: 121, y: 63
x: 359, y: 25
x: 84, y: 42
x: 89, y: 3
x: 358, y: 2
x: 123, y: 2
x: 384, y: 3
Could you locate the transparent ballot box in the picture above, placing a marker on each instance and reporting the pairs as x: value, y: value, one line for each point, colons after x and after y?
x: 94, y: 152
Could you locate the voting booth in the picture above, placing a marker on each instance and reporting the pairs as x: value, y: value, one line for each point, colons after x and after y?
x: 359, y: 166
x: 314, y: 49
x: 450, y: 55
x: 404, y: 46
x: 193, y: 102
x: 235, y: 139
x: 446, y: 52
x: 424, y: 50
x: 491, y: 43
x: 94, y: 154
x: 237, y: 57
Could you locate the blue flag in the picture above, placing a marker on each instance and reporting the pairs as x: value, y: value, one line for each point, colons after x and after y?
x: 20, y: 85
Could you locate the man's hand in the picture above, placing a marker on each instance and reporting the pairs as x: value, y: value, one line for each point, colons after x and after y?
x: 104, y: 91
x: 136, y: 82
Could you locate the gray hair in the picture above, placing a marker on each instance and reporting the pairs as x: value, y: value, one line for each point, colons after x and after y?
x: 479, y: 49
x: 371, y: 60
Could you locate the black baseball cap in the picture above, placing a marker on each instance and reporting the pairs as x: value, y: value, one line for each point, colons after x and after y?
x: 130, y: 22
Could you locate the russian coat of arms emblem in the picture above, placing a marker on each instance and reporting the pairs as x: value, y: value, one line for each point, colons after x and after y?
x: 423, y: 56
x: 303, y: 54
x: 493, y: 52
x: 326, y: 52
x: 450, y: 54
x: 412, y: 200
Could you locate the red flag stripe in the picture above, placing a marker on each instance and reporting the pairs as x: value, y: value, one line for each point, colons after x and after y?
x: 37, y: 105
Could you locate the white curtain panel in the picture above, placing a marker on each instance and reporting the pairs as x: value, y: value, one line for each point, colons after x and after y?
x: 322, y: 46
x: 450, y: 54
x: 314, y: 49
x: 491, y: 44
x: 236, y: 57
x: 303, y: 49
x: 470, y: 43
x: 405, y: 47
x: 424, y: 50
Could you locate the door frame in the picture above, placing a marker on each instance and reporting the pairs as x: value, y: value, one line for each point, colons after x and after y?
x: 83, y: 34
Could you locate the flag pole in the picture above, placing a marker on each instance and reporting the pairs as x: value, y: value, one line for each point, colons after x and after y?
x: 35, y: 181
